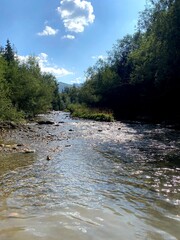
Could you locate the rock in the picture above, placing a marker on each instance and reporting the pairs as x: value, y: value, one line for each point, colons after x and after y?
x: 13, y: 125
x: 8, y: 146
x: 20, y: 145
x: 13, y: 215
x: 30, y: 129
x: 45, y: 122
x: 14, y: 147
x: 8, y: 125
x: 29, y: 151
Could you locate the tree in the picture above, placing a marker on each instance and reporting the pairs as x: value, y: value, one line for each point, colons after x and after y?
x: 56, y: 97
x: 9, y: 53
x: 141, y: 75
x: 24, y: 88
x: 7, y: 111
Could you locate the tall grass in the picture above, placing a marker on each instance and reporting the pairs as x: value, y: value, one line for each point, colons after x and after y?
x: 82, y: 111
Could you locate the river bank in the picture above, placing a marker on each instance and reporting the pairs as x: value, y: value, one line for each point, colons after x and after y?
x: 32, y: 137
x: 35, y: 136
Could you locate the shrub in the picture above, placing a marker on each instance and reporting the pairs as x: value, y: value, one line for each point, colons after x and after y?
x: 81, y: 111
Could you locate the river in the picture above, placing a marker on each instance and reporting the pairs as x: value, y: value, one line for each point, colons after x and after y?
x: 113, y: 181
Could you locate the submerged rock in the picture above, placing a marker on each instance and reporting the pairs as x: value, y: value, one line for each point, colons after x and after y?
x: 68, y: 145
x: 29, y: 151
x: 45, y: 122
x: 48, y: 158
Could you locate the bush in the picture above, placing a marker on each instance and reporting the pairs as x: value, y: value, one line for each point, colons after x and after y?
x: 81, y: 111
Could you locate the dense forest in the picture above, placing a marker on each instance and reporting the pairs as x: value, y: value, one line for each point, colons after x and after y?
x: 141, y: 76
x: 25, y: 90
x: 139, y: 79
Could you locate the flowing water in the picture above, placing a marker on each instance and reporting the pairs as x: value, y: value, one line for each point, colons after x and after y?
x: 105, y: 181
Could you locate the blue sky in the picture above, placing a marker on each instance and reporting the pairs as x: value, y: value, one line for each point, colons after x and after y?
x: 67, y: 36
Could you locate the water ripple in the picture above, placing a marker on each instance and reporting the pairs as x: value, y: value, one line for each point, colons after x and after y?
x: 106, y: 181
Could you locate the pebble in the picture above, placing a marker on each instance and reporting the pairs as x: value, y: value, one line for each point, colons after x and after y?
x: 29, y: 151
x: 13, y: 215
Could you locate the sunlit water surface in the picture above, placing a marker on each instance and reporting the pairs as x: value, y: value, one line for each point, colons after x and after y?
x: 109, y: 181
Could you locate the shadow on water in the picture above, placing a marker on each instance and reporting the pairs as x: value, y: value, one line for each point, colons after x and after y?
x: 146, y: 173
x: 106, y: 181
x: 146, y: 144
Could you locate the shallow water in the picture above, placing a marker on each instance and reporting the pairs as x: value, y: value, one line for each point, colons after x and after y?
x: 105, y: 181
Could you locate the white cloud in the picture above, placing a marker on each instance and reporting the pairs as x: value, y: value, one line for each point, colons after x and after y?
x: 50, y: 68
x: 22, y: 59
x: 57, y: 72
x: 76, y: 14
x: 48, y: 31
x: 68, y: 36
x: 100, y: 57
x: 42, y: 59
x: 77, y: 80
x: 47, y: 67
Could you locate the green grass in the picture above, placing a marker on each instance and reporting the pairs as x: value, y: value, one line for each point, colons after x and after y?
x: 81, y: 111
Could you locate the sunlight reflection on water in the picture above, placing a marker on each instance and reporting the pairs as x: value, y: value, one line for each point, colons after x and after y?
x: 110, y: 181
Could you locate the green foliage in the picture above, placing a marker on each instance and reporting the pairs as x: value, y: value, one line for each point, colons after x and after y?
x: 25, y: 90
x: 8, y: 53
x: 141, y: 76
x: 7, y: 111
x: 82, y: 111
x: 55, y: 96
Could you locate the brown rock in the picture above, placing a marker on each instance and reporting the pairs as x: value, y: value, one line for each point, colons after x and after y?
x: 48, y: 158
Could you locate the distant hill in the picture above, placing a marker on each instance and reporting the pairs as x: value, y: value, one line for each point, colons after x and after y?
x: 62, y: 86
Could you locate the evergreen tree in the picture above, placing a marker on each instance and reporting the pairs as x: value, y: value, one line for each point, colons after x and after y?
x: 9, y: 53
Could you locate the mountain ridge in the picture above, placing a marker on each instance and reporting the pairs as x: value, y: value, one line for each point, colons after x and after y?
x: 62, y: 86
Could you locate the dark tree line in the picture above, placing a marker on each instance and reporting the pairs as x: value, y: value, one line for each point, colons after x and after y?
x: 141, y: 76
x: 25, y: 90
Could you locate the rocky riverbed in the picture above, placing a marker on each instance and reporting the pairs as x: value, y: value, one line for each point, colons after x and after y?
x: 34, y: 137
x: 63, y: 178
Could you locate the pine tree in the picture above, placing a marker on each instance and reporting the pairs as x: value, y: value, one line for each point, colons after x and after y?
x: 9, y: 54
